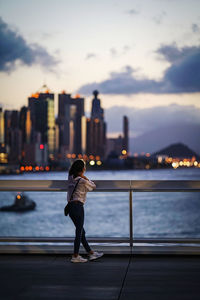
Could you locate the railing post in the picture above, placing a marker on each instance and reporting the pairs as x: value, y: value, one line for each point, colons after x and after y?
x: 130, y: 217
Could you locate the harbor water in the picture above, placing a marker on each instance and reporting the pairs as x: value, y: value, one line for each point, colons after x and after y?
x: 155, y: 214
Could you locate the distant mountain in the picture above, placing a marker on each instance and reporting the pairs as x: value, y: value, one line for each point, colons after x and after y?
x: 152, y: 141
x: 177, y: 150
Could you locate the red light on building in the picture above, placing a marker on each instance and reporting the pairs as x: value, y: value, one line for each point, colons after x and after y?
x: 47, y: 168
x: 22, y: 168
x: 41, y: 146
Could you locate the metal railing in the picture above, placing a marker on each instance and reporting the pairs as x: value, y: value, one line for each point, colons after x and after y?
x: 130, y: 186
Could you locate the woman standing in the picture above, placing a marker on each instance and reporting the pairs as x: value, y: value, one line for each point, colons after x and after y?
x: 78, y: 186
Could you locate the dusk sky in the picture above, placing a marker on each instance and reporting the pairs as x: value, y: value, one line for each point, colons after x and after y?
x: 143, y: 56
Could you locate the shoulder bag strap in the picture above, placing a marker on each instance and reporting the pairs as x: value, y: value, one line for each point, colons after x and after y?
x: 74, y: 189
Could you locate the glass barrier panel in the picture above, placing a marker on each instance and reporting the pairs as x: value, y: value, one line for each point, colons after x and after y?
x: 166, y: 215
x: 106, y: 214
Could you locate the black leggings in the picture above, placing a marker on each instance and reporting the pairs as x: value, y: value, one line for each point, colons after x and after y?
x: 76, y: 213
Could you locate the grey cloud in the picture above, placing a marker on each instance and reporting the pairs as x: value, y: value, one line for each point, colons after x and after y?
x: 132, y: 12
x: 121, y: 83
x: 183, y: 76
x: 195, y: 28
x: 90, y: 55
x: 173, y: 54
x: 13, y: 48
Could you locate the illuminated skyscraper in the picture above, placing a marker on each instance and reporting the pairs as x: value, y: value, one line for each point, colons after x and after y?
x: 41, y: 107
x: 71, y: 124
x: 1, y: 127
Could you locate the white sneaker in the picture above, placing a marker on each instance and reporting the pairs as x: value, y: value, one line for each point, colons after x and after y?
x: 78, y: 259
x: 95, y: 255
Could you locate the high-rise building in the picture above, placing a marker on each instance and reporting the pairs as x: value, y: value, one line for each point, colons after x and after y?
x: 22, y: 123
x: 97, y: 110
x: 71, y: 124
x: 96, y: 129
x: 41, y: 106
x: 125, y: 134
x: 119, y: 145
x: 28, y: 126
x: 2, y: 137
x: 13, y: 136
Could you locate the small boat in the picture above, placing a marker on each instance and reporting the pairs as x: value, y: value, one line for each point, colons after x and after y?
x: 22, y: 203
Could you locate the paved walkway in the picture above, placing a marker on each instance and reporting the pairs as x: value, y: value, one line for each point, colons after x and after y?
x: 111, y: 277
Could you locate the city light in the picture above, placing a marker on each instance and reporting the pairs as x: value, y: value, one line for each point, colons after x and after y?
x: 175, y: 165
x: 99, y: 163
x: 41, y: 146
x: 92, y: 162
x: 124, y: 152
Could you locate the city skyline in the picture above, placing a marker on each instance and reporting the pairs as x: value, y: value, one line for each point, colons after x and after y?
x: 127, y: 50
x: 34, y: 136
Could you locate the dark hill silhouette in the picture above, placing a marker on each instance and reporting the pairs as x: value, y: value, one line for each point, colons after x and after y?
x: 177, y: 150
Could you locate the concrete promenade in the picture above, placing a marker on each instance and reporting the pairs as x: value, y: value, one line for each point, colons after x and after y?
x: 137, y: 277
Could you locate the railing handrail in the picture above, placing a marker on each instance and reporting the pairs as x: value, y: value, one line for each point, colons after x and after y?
x: 104, y: 185
x: 107, y: 186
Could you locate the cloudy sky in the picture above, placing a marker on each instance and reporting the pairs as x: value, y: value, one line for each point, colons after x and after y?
x: 142, y: 55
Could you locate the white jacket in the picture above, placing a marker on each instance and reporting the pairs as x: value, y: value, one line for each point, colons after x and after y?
x: 81, y: 190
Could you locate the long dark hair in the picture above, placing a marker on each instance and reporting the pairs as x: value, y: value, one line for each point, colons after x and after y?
x: 76, y: 167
